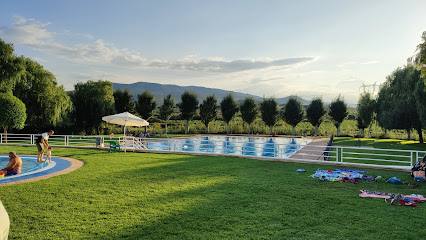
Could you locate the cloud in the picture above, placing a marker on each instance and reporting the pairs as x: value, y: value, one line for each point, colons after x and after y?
x: 26, y: 32
x: 34, y: 34
x: 347, y: 64
x: 224, y: 66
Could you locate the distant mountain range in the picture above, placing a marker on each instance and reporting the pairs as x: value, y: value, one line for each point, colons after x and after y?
x: 160, y: 91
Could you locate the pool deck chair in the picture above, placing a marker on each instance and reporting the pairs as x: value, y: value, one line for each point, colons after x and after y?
x: 113, y: 146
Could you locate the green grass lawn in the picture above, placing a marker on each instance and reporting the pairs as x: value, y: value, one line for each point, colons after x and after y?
x: 380, y: 143
x: 166, y: 196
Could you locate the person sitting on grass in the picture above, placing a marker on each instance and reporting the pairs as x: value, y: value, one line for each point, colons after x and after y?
x: 15, y: 165
x: 48, y: 155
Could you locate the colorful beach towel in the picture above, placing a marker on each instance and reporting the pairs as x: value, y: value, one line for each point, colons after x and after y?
x: 336, y: 173
x: 376, y: 194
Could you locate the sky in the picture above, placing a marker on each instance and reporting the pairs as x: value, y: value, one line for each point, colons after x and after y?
x: 267, y: 48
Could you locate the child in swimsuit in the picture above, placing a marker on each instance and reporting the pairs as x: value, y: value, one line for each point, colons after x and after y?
x: 48, y: 155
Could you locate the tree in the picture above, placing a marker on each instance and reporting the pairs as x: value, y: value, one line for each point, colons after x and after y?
x: 208, y: 110
x: 365, y: 111
x: 420, y: 62
x: 270, y: 112
x: 47, y: 103
x: 401, y: 101
x: 293, y: 113
x: 338, y: 112
x: 420, y: 58
x: 92, y: 100
x: 13, y: 112
x: 124, y: 101
x: 145, y: 105
x: 188, y: 107
x: 11, y: 67
x: 249, y: 111
x: 166, y: 110
x: 315, y: 113
x: 229, y: 108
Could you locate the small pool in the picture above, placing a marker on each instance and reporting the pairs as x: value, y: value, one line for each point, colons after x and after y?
x: 30, y: 168
x: 274, y: 147
x: 29, y: 164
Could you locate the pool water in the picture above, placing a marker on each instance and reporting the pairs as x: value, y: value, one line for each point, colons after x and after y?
x: 29, y: 164
x: 245, y: 146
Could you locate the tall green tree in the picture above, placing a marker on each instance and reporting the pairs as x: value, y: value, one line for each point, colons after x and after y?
x: 338, y: 111
x: 188, y: 107
x: 420, y: 89
x: 124, y: 101
x: 249, y: 111
x: 13, y: 112
x: 92, y: 101
x: 293, y: 113
x: 365, y: 110
x: 315, y: 113
x: 229, y: 108
x: 166, y: 110
x: 11, y: 67
x: 208, y: 110
x: 47, y: 103
x: 420, y: 57
x: 401, y: 101
x: 145, y: 105
x: 270, y: 112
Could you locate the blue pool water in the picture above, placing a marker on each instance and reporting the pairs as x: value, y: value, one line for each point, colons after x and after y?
x: 245, y: 146
x: 29, y: 164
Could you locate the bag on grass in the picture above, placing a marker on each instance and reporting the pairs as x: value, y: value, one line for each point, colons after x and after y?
x: 395, y: 180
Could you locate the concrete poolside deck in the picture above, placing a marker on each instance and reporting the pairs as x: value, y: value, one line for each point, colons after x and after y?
x: 313, y: 151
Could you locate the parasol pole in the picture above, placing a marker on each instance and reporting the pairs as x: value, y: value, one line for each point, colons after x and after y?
x: 124, y: 135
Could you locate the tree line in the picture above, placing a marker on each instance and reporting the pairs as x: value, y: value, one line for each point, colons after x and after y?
x: 30, y: 99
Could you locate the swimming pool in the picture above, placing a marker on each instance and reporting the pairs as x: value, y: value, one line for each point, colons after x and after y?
x: 274, y: 147
x: 29, y: 164
x: 30, y: 168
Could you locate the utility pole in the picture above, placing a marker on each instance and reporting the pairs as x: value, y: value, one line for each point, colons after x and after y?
x: 364, y: 87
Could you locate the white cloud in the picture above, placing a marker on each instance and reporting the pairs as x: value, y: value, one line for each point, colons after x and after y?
x: 35, y: 35
x: 347, y: 64
x: 26, y: 32
x: 224, y: 66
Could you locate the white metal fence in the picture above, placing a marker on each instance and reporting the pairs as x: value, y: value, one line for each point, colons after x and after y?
x: 302, y: 151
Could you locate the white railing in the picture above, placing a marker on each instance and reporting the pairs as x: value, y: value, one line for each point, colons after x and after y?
x: 268, y: 150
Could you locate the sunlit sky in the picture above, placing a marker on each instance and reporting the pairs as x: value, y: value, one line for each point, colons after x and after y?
x: 266, y: 48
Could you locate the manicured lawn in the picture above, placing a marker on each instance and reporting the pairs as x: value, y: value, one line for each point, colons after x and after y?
x: 165, y: 196
x: 380, y: 143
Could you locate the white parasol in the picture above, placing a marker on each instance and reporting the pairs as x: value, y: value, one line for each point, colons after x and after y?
x: 126, y: 119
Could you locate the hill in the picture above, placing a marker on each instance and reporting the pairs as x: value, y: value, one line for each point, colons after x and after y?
x: 160, y: 91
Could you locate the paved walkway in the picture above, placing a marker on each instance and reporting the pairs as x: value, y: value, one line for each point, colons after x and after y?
x: 313, y: 151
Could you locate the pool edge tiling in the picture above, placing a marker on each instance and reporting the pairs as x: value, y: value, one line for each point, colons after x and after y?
x: 62, y: 165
